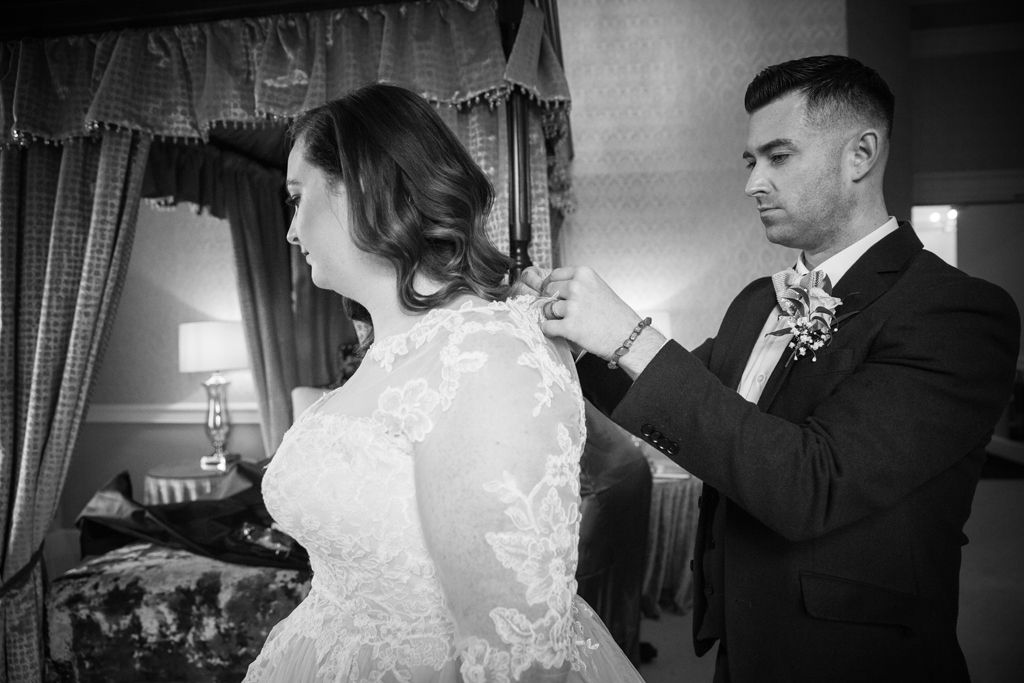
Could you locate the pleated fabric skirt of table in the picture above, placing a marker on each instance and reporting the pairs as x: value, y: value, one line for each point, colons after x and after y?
x: 668, y: 580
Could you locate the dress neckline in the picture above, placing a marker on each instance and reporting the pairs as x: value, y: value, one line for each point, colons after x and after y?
x: 421, y: 320
x: 384, y: 350
x: 396, y: 344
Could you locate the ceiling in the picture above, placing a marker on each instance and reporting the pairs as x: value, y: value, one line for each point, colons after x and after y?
x: 38, y: 18
x: 44, y: 18
x: 942, y: 14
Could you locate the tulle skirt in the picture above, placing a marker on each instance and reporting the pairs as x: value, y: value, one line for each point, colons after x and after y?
x: 604, y: 661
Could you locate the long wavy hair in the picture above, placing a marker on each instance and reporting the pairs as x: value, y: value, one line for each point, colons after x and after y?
x: 416, y: 197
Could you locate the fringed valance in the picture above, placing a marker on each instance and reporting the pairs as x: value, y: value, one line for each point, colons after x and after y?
x: 176, y: 82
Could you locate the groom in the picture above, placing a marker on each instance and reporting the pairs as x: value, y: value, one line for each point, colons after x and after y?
x: 839, y: 464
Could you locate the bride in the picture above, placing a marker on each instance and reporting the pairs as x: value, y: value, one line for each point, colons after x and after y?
x: 437, y: 491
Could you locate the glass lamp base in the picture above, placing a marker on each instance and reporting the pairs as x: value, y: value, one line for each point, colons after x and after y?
x: 218, y: 461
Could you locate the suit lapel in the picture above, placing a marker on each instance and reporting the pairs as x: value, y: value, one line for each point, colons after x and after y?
x: 749, y: 322
x: 866, y: 280
x: 877, y: 269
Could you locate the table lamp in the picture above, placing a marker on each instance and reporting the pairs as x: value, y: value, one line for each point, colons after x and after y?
x: 214, y: 346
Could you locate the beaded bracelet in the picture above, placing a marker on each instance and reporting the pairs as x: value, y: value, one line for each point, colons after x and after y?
x: 621, y: 351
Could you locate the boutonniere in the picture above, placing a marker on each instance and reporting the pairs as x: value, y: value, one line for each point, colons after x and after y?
x: 810, y: 316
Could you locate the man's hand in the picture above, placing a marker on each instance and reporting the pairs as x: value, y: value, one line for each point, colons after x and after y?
x: 526, y: 284
x: 589, y: 314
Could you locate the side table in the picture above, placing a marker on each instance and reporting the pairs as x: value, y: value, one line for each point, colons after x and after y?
x: 183, y: 483
x: 668, y: 581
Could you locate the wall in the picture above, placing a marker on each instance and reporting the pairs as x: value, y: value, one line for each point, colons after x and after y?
x: 658, y: 130
x: 990, y: 244
x: 143, y: 412
x: 968, y: 142
x: 971, y: 111
x: 878, y: 34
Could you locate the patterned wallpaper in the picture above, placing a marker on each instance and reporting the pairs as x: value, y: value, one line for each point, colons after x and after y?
x: 658, y: 131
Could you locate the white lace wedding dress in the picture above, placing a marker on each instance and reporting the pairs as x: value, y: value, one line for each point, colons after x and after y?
x: 437, y: 493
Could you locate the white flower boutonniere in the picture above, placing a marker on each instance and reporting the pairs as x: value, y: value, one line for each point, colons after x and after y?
x: 810, y: 316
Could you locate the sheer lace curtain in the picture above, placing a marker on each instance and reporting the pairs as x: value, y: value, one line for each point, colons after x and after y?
x: 67, y: 218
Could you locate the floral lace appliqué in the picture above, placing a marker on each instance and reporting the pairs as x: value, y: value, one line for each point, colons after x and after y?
x: 542, y: 553
x: 407, y: 410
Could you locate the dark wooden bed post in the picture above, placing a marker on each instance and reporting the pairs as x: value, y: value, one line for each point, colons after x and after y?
x: 520, y: 230
x: 510, y: 13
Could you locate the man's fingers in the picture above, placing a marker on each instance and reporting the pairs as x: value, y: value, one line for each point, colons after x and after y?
x: 530, y: 279
x: 549, y: 310
x: 562, y: 273
x: 552, y: 328
x: 544, y: 285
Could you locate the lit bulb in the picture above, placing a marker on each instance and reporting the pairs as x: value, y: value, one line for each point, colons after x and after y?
x: 934, y: 216
x: 951, y: 214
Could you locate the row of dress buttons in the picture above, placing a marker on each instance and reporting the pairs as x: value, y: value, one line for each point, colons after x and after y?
x: 659, y: 440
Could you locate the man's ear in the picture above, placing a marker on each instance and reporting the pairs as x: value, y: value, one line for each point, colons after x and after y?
x: 865, y: 153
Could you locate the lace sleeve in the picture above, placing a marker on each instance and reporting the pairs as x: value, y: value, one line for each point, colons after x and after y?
x: 497, y: 480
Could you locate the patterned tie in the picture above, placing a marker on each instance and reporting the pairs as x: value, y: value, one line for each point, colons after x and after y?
x: 785, y: 280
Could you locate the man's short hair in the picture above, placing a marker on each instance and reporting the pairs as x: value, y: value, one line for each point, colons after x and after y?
x: 836, y: 88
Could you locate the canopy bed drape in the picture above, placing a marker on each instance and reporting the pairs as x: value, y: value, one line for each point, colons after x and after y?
x: 78, y: 114
x: 67, y: 217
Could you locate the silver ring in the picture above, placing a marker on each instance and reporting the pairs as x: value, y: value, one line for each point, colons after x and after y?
x: 549, y: 310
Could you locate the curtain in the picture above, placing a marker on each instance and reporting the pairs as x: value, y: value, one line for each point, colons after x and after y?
x: 262, y: 261
x: 183, y: 83
x: 67, y: 217
x: 318, y: 312
x: 179, y: 82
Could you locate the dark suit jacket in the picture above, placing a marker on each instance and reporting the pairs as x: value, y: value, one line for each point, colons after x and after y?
x: 832, y: 513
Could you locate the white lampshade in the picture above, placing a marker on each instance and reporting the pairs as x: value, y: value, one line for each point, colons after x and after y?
x: 211, y: 346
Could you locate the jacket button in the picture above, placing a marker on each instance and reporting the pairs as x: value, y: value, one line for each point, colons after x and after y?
x: 656, y: 437
x: 646, y: 429
x: 672, y: 448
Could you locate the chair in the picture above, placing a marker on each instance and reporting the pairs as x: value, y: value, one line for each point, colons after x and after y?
x: 303, y: 398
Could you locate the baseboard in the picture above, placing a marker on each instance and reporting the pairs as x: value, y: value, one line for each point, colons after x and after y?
x: 167, y: 413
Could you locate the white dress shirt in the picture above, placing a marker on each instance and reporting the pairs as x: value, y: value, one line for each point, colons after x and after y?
x: 768, y: 350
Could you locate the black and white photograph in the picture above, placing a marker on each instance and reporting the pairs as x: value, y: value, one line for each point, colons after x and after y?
x: 511, y: 341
